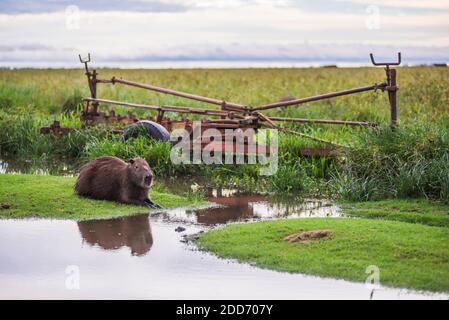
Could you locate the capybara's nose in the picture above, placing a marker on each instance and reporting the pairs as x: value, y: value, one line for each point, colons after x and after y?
x: 148, y: 179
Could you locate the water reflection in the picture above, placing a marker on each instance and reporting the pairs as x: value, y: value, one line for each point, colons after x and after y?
x: 133, y: 232
x: 241, y: 207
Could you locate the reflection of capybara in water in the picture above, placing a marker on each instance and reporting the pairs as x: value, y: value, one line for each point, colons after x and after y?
x: 110, y: 178
x: 133, y: 232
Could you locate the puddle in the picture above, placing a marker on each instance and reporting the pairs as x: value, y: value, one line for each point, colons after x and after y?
x: 137, y: 257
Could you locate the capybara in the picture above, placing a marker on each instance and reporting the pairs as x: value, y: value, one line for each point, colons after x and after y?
x: 110, y: 178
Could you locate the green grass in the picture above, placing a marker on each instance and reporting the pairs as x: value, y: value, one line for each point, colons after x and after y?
x: 408, y: 255
x: 54, y: 197
x: 419, y: 211
x: 411, y: 161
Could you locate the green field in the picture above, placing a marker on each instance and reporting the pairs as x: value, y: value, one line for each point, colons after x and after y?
x: 423, y: 95
x: 378, y: 163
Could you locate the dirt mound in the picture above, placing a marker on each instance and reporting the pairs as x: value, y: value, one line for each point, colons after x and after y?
x: 306, y: 236
x: 5, y: 206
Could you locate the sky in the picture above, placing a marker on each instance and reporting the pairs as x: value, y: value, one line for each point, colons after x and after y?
x: 171, y: 33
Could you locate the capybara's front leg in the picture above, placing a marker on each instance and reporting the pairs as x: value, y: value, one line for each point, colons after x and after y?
x: 151, y: 204
x: 139, y: 203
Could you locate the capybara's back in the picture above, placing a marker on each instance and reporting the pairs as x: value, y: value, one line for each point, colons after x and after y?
x: 101, y: 178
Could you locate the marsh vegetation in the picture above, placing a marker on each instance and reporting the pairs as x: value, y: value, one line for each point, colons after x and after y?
x: 378, y: 163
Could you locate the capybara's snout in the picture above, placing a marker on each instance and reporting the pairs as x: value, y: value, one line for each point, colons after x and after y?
x: 148, y: 179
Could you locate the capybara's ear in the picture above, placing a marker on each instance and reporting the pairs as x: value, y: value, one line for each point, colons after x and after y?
x: 131, y: 161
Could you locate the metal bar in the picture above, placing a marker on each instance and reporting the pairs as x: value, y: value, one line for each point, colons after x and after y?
x: 162, y: 108
x: 160, y: 116
x: 319, y: 97
x: 221, y: 125
x: 398, y: 62
x: 93, y: 80
x: 103, y: 81
x: 275, y: 126
x: 235, y: 108
x: 179, y: 94
x: 322, y: 121
x: 265, y: 118
x: 311, y: 137
x: 392, y: 97
x: 221, y: 121
x: 88, y: 73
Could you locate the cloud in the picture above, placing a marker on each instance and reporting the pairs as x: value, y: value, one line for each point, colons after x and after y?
x: 232, y: 30
x: 404, y: 4
x: 45, y: 6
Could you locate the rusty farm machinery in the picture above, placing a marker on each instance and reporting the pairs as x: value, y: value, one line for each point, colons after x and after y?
x: 225, y: 115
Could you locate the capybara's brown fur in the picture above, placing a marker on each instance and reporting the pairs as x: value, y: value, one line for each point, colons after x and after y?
x: 110, y: 178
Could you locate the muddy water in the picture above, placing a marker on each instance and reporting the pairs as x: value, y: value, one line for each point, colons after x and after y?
x: 144, y: 257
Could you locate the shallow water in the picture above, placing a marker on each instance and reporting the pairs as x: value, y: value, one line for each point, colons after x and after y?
x: 244, y: 208
x: 144, y: 257
x: 41, y: 167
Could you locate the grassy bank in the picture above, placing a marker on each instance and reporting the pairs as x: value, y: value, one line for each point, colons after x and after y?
x: 54, y: 197
x: 407, y: 255
x: 418, y: 211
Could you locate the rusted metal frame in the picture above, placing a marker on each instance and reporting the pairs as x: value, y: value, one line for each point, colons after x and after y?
x: 323, y: 121
x: 319, y: 97
x: 224, y: 104
x: 250, y: 115
x: 271, y: 124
